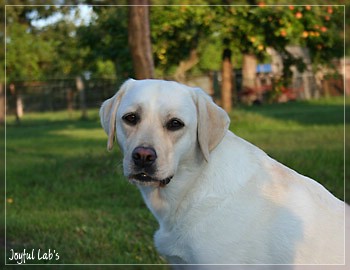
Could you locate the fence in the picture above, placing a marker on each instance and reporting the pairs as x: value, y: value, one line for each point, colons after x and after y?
x: 53, y: 95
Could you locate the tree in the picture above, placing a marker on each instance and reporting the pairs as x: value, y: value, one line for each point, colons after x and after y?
x: 184, y: 38
x: 105, y: 40
x: 68, y: 60
x: 226, y: 85
x: 26, y: 53
x: 140, y: 39
x: 314, y: 27
x: 41, y: 52
x: 179, y: 35
x: 250, y: 30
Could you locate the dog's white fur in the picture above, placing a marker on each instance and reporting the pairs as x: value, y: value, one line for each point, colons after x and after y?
x: 228, y: 202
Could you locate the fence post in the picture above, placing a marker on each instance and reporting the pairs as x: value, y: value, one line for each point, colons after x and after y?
x: 70, y: 97
x: 81, y: 90
x: 18, y: 102
x: 226, y: 86
x: 2, y: 104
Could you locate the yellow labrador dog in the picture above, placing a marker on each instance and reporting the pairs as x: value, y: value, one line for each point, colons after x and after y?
x: 218, y: 199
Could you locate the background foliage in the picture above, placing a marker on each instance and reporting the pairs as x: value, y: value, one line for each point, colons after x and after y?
x: 69, y: 46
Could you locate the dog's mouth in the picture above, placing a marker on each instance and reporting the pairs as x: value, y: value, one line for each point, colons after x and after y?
x: 146, y: 180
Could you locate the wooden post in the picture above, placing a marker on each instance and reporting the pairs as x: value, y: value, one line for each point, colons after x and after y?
x: 81, y: 90
x: 18, y: 102
x: 140, y: 39
x: 70, y: 97
x: 2, y: 104
x: 249, y: 71
x: 226, y: 86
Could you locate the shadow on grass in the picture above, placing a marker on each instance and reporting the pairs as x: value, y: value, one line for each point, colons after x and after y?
x: 60, y: 119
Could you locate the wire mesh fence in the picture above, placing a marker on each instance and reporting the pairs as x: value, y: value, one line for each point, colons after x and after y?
x: 79, y: 93
x: 53, y: 95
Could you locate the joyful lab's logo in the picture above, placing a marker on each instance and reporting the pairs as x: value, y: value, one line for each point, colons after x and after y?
x: 30, y: 255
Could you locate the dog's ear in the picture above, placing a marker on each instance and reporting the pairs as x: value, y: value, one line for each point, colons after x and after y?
x: 108, y: 112
x: 212, y: 125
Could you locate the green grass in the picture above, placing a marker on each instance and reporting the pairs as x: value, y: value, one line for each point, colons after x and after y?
x: 66, y: 192
x: 306, y: 136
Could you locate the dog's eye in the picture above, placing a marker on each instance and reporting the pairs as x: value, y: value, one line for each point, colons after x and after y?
x: 174, y: 124
x: 131, y: 119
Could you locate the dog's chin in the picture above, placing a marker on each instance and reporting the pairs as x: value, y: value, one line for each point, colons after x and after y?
x: 143, y: 179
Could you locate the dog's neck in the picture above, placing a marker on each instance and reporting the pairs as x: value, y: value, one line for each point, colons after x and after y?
x: 185, y: 189
x: 166, y: 202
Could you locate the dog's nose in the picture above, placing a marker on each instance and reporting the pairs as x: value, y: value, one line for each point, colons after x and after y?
x: 144, y: 156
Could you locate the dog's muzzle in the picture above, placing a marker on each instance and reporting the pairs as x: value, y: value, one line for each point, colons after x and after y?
x: 144, y: 159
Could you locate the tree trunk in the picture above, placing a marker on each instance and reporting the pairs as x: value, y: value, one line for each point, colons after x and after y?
x: 140, y: 39
x: 185, y: 65
x: 226, y: 86
x: 249, y: 71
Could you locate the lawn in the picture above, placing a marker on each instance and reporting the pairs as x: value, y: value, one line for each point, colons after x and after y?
x: 66, y: 194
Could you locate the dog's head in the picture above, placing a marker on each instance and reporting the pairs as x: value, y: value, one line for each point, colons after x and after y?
x: 160, y: 126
